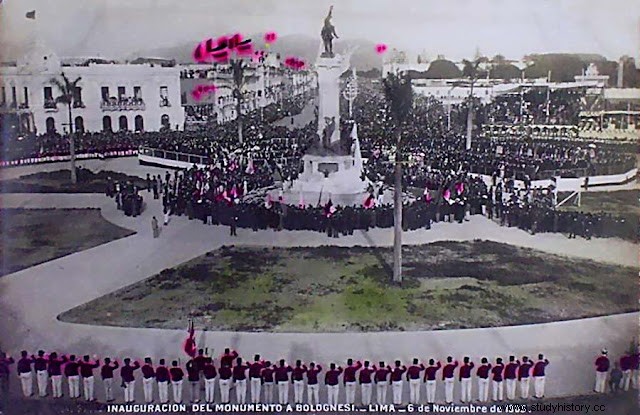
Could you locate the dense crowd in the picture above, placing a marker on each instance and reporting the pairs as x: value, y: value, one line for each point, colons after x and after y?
x: 202, y: 371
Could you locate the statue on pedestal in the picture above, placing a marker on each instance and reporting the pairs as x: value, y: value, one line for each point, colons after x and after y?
x: 328, y: 33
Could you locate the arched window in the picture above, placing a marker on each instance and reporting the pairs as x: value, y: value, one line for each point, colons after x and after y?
x: 106, y: 123
x: 164, y: 121
x: 123, y: 125
x: 79, y: 124
x: 51, y: 125
x: 139, y: 123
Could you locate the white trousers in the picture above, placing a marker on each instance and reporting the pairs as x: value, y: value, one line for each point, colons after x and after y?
x: 538, y: 386
x: 626, y: 379
x: 366, y: 394
x: 397, y: 392
x: 313, y: 394
x: 332, y: 394
x: 88, y: 383
x: 448, y: 390
x: 298, y: 391
x: 163, y: 391
x: 147, y: 386
x: 241, y: 391
x: 42, y: 377
x: 511, y: 389
x: 108, y: 389
x: 268, y: 392
x: 283, y: 392
x: 256, y: 384
x: 483, y: 389
x: 634, y: 378
x: 194, y: 391
x: 350, y: 392
x: 414, y: 390
x: 498, y: 389
x: 27, y: 383
x: 601, y: 381
x: 74, y: 386
x: 209, y: 390
x: 381, y: 393
x: 225, y: 384
x: 524, y: 388
x: 56, y: 385
x: 465, y: 387
x: 129, y: 389
x: 431, y: 391
x: 177, y: 391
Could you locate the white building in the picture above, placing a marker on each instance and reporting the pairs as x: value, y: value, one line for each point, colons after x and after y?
x: 110, y: 96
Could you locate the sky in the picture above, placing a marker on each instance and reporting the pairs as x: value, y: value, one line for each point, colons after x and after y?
x: 453, y: 28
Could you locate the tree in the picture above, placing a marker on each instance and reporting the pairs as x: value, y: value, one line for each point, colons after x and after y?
x: 237, y: 67
x: 471, y: 71
x: 399, y: 96
x: 67, y: 96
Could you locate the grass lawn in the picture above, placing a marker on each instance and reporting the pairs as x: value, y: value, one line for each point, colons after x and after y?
x: 60, y: 182
x: 34, y: 236
x: 334, y: 289
x: 621, y: 202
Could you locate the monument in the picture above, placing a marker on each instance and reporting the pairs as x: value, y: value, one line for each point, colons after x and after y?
x: 332, y: 168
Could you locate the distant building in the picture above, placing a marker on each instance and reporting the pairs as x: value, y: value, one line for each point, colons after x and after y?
x: 110, y: 96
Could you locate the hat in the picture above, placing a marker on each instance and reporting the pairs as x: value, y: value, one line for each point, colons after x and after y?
x: 604, y: 351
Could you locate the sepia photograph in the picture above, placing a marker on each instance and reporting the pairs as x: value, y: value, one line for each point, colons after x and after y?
x: 319, y: 207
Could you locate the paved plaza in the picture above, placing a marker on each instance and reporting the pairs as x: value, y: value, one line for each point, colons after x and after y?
x: 67, y: 282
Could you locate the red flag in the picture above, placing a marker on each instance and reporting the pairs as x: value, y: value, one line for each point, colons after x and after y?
x: 369, y: 202
x: 189, y: 345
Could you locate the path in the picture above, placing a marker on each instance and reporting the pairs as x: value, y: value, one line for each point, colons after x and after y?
x: 73, y: 280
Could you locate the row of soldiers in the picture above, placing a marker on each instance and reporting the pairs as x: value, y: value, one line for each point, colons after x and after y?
x: 263, y: 378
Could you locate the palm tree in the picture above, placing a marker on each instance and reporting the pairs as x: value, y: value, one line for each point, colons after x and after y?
x: 67, y: 96
x: 237, y: 67
x: 399, y: 97
x: 470, y: 70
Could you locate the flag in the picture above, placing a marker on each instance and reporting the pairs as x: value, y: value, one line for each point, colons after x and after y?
x: 329, y: 209
x: 31, y: 15
x: 427, y: 195
x: 189, y: 346
x: 369, y: 202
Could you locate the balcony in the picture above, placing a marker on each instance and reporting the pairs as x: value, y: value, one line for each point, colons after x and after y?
x: 123, y: 104
x: 50, y: 105
x: 164, y: 102
x: 78, y: 104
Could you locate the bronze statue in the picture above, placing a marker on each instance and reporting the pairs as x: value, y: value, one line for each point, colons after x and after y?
x: 328, y: 33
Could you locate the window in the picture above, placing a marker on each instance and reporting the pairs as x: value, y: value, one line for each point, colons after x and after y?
x: 104, y: 91
x: 122, y: 123
x: 26, y: 97
x: 137, y: 92
x: 51, y: 125
x: 77, y: 98
x: 79, y: 123
x: 14, y: 96
x: 139, y: 123
x: 164, y: 96
x: 106, y: 123
x: 164, y: 121
x: 121, y: 92
x: 4, y: 95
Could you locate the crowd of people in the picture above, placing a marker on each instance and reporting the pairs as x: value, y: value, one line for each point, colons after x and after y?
x: 501, y: 378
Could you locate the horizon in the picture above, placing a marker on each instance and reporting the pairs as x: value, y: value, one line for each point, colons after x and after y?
x: 119, y: 28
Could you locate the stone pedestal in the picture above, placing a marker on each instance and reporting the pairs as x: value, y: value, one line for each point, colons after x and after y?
x: 329, y: 71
